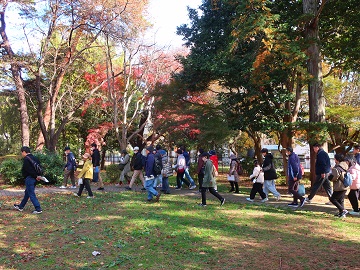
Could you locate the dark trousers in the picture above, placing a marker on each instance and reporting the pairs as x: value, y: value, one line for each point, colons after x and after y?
x: 212, y: 191
x: 180, y: 178
x: 200, y: 179
x: 293, y: 189
x: 234, y: 186
x: 337, y: 198
x: 86, y: 184
x: 257, y: 188
x: 354, y: 197
x: 321, y: 182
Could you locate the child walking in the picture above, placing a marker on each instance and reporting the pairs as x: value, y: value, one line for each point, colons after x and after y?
x: 86, y: 176
x: 258, y: 180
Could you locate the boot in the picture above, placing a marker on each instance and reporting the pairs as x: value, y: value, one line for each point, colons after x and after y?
x: 236, y: 187
x: 232, y: 186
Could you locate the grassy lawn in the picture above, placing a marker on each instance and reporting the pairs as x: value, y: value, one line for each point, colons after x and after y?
x: 131, y: 233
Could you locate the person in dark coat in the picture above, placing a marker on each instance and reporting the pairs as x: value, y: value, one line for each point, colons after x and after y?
x: 269, y: 174
x: 137, y: 165
x: 149, y: 175
x: 294, y: 174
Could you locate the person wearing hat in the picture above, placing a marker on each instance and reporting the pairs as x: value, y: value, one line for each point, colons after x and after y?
x: 125, y: 162
x: 69, y: 168
x: 137, y: 165
x: 149, y: 175
x: 86, y: 176
x: 233, y: 174
x: 95, y: 157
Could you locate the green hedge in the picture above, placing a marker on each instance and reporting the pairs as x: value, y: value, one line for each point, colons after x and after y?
x: 113, y: 173
x: 52, y: 164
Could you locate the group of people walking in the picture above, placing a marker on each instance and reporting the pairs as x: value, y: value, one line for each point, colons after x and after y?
x: 158, y: 168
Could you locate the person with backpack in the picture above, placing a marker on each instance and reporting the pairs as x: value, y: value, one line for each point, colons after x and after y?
x: 31, y: 171
x: 69, y: 168
x: 269, y: 174
x: 157, y: 165
x: 354, y: 194
x: 337, y: 177
x: 180, y: 170
x: 209, y: 182
x: 233, y: 174
x: 149, y: 175
x: 294, y: 175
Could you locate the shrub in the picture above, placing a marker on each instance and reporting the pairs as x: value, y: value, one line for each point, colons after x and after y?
x: 113, y: 173
x: 10, y: 169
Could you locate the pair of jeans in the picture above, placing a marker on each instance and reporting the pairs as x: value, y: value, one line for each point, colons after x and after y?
x: 180, y: 178
x: 337, y: 198
x: 157, y: 180
x: 86, y: 184
x: 293, y: 189
x: 354, y: 197
x: 187, y: 175
x: 269, y: 186
x: 149, y: 185
x: 320, y: 182
x: 165, y: 184
x: 257, y: 188
x: 30, y: 184
x: 212, y: 191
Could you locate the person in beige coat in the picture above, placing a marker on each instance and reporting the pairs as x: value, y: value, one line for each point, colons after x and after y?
x: 337, y: 177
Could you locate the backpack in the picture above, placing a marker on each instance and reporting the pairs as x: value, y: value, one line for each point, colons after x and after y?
x: 157, y: 167
x: 347, y: 179
x: 37, y: 167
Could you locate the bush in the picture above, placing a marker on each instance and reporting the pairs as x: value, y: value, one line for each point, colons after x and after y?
x: 10, y: 169
x: 113, y: 173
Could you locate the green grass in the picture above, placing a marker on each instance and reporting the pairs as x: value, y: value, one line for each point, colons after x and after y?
x: 131, y: 233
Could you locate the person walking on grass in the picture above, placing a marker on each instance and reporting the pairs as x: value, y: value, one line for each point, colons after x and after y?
x: 149, y: 175
x: 209, y: 181
x: 354, y: 194
x: 294, y: 174
x: 31, y: 177
x: 95, y: 157
x: 69, y: 168
x: 322, y: 170
x: 269, y: 174
x: 137, y: 165
x: 257, y: 177
x: 86, y: 176
x: 233, y: 171
x: 200, y: 169
x: 337, y: 177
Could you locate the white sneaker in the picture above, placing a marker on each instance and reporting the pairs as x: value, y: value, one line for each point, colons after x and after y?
x: 90, y: 197
x: 62, y: 187
x: 192, y: 187
x: 250, y: 200
x: 73, y: 187
x: 264, y: 200
x: 307, y: 200
x: 75, y: 194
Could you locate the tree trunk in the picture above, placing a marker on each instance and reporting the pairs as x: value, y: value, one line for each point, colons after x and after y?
x: 315, y: 86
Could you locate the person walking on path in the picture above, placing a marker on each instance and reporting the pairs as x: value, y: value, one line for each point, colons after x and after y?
x: 357, y: 153
x: 322, y: 170
x: 95, y: 157
x: 70, y: 168
x: 200, y: 169
x: 86, y: 176
x: 337, y: 177
x: 180, y: 169
x: 149, y: 175
x: 269, y: 174
x: 294, y: 173
x: 125, y: 165
x: 257, y: 178
x: 158, y: 159
x: 137, y: 164
x: 233, y: 171
x: 187, y: 169
x: 354, y: 194
x: 166, y: 172
x: 31, y: 177
x: 209, y: 181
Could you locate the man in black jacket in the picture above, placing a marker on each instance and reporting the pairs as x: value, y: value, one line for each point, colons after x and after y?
x: 95, y: 158
x: 269, y: 175
x: 137, y: 164
x: 31, y: 178
x: 322, y: 170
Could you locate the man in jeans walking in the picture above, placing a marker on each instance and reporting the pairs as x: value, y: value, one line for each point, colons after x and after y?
x: 31, y: 178
x: 322, y: 170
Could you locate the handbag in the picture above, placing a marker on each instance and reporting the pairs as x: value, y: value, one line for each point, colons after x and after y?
x: 231, y: 177
x: 301, y: 190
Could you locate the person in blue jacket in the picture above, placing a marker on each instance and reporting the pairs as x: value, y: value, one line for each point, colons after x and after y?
x: 294, y: 174
x: 322, y: 170
x: 149, y: 175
